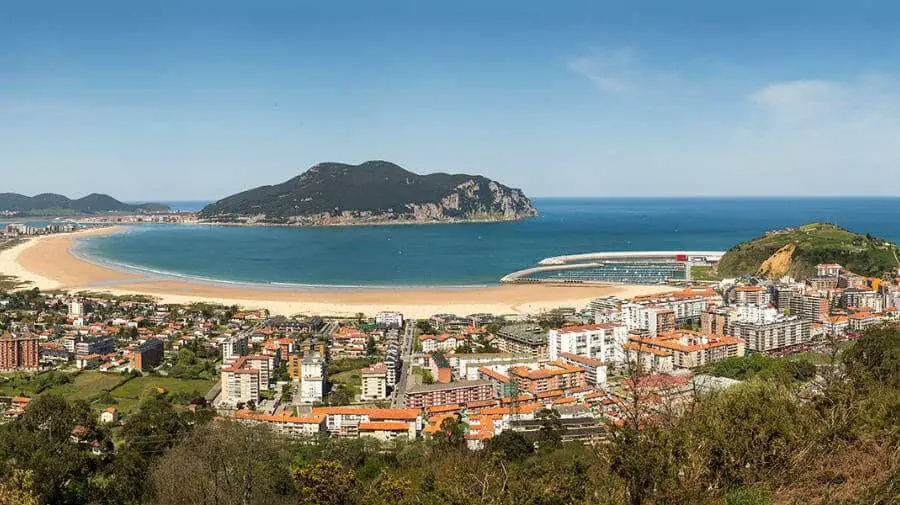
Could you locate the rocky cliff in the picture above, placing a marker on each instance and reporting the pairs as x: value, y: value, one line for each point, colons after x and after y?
x: 372, y: 192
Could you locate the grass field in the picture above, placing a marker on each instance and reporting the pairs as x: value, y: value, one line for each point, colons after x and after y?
x: 128, y: 396
x: 704, y: 273
x: 351, y: 378
x: 85, y: 386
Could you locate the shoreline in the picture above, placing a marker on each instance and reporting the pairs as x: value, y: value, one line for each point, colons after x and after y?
x: 51, y: 262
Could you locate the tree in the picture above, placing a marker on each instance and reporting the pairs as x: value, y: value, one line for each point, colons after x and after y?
x: 551, y: 431
x: 371, y: 348
x: 325, y: 483
x: 452, y: 434
x: 340, y: 395
x: 17, y: 489
x: 875, y: 357
x: 41, y: 442
x: 511, y: 445
x: 223, y: 464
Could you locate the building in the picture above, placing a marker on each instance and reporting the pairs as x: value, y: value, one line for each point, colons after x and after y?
x: 769, y: 334
x: 556, y: 375
x: 285, y: 424
x: 523, y: 339
x: 598, y: 341
x: 429, y: 395
x: 750, y: 295
x: 810, y: 307
x: 594, y: 369
x: 389, y: 320
x: 19, y: 352
x: 148, y: 355
x: 240, y: 383
x: 95, y: 346
x: 374, y: 382
x: 856, y: 298
x: 829, y: 270
x: 443, y: 342
x: 265, y: 366
x: 312, y: 379
x: 649, y: 359
x: 234, y: 346
x: 691, y: 349
x: 347, y: 421
x: 76, y: 309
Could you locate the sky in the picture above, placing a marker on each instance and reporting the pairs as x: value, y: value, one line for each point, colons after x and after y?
x: 175, y: 100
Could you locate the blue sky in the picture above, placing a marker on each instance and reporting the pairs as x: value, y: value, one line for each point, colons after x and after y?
x: 197, y: 100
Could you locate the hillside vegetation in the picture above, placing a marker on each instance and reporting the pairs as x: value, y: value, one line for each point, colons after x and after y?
x: 53, y: 204
x: 797, y: 251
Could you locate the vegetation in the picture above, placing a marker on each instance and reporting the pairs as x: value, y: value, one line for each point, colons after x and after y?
x: 762, y: 367
x: 760, y: 442
x: 814, y: 243
x: 53, y: 204
x: 376, y: 187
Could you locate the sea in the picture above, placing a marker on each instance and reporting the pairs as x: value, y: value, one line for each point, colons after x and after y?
x: 469, y: 254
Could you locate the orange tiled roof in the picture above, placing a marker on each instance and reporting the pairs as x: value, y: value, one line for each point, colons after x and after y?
x: 384, y: 426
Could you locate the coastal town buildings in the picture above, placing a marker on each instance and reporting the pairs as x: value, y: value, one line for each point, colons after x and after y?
x: 312, y: 381
x: 689, y: 349
x: 374, y: 382
x: 459, y: 392
x: 148, y: 355
x: 601, y: 341
x: 19, y: 352
x: 528, y: 339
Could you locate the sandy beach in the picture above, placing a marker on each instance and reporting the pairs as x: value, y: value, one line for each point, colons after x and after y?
x: 47, y: 262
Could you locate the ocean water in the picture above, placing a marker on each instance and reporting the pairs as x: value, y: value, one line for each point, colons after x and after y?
x: 474, y: 253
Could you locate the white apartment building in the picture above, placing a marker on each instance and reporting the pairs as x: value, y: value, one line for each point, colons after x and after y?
x: 240, y: 383
x: 374, y: 382
x: 234, y: 347
x: 312, y: 379
x: 76, y: 309
x: 597, y: 341
x: 389, y: 319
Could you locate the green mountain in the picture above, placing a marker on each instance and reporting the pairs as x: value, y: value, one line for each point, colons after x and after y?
x: 51, y: 203
x: 374, y: 191
x: 797, y: 251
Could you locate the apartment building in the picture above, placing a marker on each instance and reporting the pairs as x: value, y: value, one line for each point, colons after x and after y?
x: 234, y: 347
x: 594, y: 369
x: 769, y: 334
x: 148, y: 355
x: 691, y: 349
x: 810, y: 307
x: 548, y: 377
x: 389, y: 319
x: 374, y: 382
x: 649, y: 359
x: 597, y: 341
x: 443, y: 342
x: 348, y: 421
x: 19, y: 352
x: 285, y: 424
x: 857, y: 298
x: 523, y: 339
x: 240, y: 383
x: 429, y: 395
x: 750, y: 295
x: 312, y: 381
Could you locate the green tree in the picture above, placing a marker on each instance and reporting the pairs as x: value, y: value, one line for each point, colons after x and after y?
x: 551, y: 429
x: 18, y: 489
x: 223, y: 464
x: 325, y: 483
x: 371, y: 347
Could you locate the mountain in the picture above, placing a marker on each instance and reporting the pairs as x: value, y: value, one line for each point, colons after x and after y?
x: 51, y: 203
x: 372, y: 192
x: 797, y: 251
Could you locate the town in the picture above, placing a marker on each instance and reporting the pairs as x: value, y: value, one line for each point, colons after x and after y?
x: 391, y: 378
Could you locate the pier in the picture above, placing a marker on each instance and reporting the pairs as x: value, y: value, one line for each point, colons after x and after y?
x: 641, y: 267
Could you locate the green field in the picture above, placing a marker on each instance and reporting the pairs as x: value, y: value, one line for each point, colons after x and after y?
x: 85, y: 385
x: 128, y: 396
x: 704, y: 273
x: 89, y: 385
x: 351, y: 378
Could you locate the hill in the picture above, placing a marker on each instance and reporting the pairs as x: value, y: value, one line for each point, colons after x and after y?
x: 53, y: 204
x: 372, y: 192
x: 797, y: 251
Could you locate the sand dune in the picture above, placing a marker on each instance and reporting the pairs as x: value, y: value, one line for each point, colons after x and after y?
x: 47, y: 263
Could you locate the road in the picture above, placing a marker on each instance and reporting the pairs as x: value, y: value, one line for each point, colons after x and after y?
x: 406, y: 350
